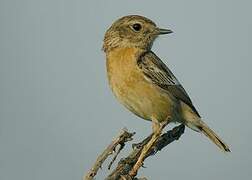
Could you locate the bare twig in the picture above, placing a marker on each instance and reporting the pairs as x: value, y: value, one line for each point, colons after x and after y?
x: 115, y: 156
x: 125, y: 165
x: 151, y: 143
x: 123, y: 137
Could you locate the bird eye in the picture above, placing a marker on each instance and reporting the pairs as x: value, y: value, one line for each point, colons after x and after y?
x: 137, y: 27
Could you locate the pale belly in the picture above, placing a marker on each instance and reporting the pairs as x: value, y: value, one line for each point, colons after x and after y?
x: 145, y: 100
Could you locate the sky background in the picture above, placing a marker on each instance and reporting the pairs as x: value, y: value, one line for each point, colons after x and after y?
x: 57, y: 112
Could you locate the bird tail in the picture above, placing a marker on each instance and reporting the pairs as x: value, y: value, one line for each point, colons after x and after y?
x: 200, y: 126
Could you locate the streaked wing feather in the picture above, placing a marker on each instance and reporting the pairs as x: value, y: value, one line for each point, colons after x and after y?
x: 158, y: 73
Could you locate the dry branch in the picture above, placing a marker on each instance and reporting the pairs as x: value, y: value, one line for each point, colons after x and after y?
x: 125, y: 165
x: 123, y: 137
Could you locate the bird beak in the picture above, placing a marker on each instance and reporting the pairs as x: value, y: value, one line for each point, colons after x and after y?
x: 164, y: 31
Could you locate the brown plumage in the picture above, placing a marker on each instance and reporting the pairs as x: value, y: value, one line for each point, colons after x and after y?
x: 142, y: 82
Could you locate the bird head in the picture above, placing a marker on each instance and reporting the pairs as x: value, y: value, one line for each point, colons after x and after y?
x: 132, y: 31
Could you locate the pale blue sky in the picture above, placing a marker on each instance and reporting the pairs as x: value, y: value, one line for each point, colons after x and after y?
x: 57, y: 112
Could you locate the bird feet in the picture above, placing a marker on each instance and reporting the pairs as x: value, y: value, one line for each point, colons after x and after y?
x: 157, y: 128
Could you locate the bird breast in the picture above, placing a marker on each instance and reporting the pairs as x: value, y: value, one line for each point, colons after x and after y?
x: 131, y: 88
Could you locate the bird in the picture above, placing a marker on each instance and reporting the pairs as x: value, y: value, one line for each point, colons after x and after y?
x: 143, y: 83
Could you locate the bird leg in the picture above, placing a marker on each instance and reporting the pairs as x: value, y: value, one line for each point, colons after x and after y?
x: 157, y: 128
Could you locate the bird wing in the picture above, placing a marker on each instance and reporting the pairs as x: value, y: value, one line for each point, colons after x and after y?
x: 158, y: 73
